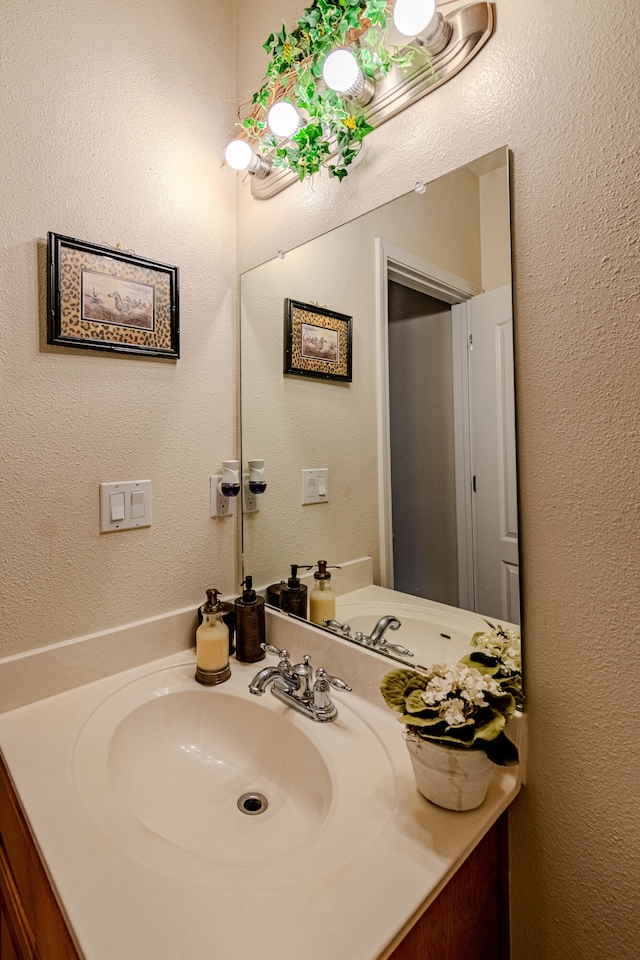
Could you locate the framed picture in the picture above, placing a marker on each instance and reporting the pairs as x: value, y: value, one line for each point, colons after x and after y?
x: 105, y: 299
x: 317, y: 342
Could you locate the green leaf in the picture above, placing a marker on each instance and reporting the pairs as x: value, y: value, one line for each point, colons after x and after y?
x: 501, y: 751
x: 482, y: 663
x: 415, y: 704
x: 393, y: 687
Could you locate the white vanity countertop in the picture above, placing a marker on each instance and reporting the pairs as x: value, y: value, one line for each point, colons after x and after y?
x: 118, y: 906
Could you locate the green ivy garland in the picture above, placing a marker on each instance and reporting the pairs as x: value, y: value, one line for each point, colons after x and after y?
x: 296, y: 66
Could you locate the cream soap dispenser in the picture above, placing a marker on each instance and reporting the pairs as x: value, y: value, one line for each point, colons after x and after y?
x: 322, y: 599
x: 212, y: 644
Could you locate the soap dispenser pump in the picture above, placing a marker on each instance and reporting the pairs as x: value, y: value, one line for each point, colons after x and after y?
x: 322, y: 599
x: 212, y: 643
x: 250, y: 625
x: 293, y: 594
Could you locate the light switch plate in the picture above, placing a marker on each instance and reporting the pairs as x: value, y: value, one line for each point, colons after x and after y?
x: 136, y: 514
x: 312, y: 482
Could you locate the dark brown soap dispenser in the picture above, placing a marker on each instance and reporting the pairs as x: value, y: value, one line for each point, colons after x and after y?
x: 293, y: 594
x: 250, y: 627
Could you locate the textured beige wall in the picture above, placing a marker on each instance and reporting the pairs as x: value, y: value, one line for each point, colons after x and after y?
x: 104, y: 140
x: 295, y: 423
x: 559, y: 84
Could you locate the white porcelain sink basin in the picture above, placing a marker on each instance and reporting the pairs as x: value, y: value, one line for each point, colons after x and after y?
x: 434, y: 632
x: 163, y: 766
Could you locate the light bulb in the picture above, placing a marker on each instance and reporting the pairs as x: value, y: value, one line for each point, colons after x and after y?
x: 341, y: 70
x: 411, y: 17
x: 238, y: 154
x: 420, y: 19
x: 342, y: 74
x: 283, y: 119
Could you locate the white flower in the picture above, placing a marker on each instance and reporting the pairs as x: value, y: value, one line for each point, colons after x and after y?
x: 502, y: 644
x: 453, y: 712
x: 438, y: 689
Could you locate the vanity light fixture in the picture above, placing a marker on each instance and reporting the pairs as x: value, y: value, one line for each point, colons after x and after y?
x: 420, y: 19
x: 240, y: 156
x: 365, y: 82
x: 341, y: 73
x: 284, y: 120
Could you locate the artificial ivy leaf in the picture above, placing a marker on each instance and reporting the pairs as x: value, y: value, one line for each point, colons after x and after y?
x: 339, y: 172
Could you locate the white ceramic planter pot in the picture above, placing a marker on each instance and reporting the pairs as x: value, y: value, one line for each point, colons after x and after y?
x: 449, y: 777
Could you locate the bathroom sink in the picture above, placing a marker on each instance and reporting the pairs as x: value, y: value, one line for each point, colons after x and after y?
x: 211, y: 786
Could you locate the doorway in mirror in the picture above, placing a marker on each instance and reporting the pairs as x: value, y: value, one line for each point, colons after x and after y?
x: 451, y: 436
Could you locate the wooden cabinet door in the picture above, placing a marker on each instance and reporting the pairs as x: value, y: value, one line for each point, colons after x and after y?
x: 32, y: 914
x: 469, y: 919
x: 16, y: 938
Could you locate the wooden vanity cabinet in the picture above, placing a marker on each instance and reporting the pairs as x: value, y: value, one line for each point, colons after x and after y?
x: 31, y: 924
x: 468, y: 920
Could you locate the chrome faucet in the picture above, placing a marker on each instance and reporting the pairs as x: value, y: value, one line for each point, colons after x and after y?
x: 294, y: 685
x: 342, y: 628
x: 378, y: 641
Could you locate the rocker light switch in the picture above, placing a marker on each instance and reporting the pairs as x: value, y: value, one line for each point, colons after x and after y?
x: 315, y: 485
x: 117, y: 506
x: 124, y: 505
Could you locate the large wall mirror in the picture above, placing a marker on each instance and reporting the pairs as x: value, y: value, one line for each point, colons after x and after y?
x: 420, y: 444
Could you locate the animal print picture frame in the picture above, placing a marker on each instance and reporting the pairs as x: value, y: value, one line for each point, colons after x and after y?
x: 100, y: 298
x: 317, y: 342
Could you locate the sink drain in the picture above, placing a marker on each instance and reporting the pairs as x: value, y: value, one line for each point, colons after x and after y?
x: 252, y: 804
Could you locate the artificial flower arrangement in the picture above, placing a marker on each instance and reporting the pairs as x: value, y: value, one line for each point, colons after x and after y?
x: 498, y: 654
x: 464, y: 705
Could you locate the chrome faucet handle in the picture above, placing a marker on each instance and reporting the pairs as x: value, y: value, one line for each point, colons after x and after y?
x: 323, y: 677
x: 271, y: 648
x: 344, y: 628
x: 397, y: 648
x: 362, y: 638
x: 285, y: 662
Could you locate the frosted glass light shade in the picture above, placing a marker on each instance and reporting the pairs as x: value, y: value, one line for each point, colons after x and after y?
x: 341, y: 71
x: 283, y: 119
x: 412, y: 17
x: 238, y: 154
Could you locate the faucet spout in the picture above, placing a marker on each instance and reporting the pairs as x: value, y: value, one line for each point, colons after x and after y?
x: 384, y: 623
x: 272, y: 675
x: 294, y: 686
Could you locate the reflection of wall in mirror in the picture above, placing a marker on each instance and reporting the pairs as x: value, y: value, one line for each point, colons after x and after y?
x: 300, y: 423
